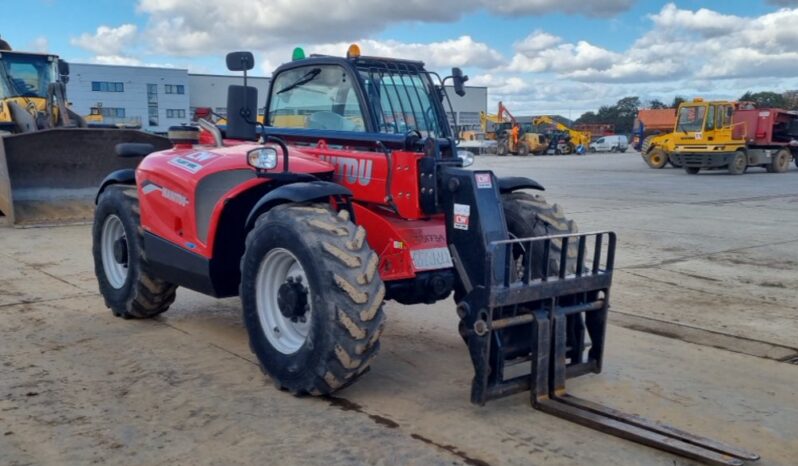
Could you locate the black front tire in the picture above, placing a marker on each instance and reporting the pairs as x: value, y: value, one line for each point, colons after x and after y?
x: 346, y: 296
x: 692, y: 170
x: 142, y: 295
x: 656, y: 158
x: 738, y: 163
x: 529, y: 216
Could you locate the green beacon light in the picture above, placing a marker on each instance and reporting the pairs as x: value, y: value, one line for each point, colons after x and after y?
x: 298, y: 54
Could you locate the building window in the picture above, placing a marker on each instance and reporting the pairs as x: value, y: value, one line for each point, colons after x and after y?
x: 152, y: 104
x: 174, y: 89
x: 105, y: 86
x: 175, y: 113
x: 111, y: 112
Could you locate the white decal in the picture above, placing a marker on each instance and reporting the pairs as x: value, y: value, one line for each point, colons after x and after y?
x: 350, y: 169
x: 432, y: 258
x: 168, y: 194
x: 462, y: 212
x: 483, y: 180
x: 185, y: 164
x: 175, y: 197
x: 202, y: 156
x: 698, y: 135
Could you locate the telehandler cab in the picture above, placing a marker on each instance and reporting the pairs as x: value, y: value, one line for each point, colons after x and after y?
x: 353, y: 193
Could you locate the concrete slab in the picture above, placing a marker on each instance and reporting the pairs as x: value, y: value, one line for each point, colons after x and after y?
x: 711, y: 254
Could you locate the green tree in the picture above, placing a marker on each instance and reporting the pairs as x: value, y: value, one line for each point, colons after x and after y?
x: 677, y: 101
x: 587, y: 118
x: 765, y: 99
x: 790, y: 99
x: 656, y: 104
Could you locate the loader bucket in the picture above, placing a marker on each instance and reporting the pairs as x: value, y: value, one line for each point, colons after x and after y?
x: 51, y: 176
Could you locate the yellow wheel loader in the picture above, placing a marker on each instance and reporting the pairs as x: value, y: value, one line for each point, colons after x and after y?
x: 50, y: 162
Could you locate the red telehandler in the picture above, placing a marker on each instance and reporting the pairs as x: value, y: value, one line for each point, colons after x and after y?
x: 353, y: 192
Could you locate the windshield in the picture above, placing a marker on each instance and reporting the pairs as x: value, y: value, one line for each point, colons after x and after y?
x: 403, y: 100
x: 317, y: 97
x: 25, y: 75
x: 691, y: 118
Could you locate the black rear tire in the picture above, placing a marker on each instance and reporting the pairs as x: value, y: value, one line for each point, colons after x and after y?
x: 646, y: 144
x: 142, y: 295
x: 523, y: 149
x: 345, y: 298
x: 738, y: 163
x: 692, y: 170
x: 780, y: 162
x: 501, y: 148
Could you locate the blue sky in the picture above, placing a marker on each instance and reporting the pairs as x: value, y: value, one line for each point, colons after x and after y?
x: 539, y: 56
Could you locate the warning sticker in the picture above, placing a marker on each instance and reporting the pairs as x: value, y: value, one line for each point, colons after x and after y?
x: 462, y: 212
x: 185, y: 164
x: 483, y: 180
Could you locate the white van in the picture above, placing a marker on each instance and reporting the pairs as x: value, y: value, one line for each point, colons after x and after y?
x: 614, y: 143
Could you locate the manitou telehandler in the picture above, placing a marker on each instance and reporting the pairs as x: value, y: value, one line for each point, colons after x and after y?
x: 353, y: 192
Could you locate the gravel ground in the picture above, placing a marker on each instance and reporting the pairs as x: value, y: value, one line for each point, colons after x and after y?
x: 704, y: 309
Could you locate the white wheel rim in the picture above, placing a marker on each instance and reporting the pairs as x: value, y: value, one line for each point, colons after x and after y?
x: 113, y: 230
x: 276, y: 267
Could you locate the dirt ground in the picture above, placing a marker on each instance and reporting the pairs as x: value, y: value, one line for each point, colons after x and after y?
x: 702, y: 333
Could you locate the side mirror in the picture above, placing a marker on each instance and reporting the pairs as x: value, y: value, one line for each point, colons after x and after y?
x: 240, y: 61
x: 63, y: 71
x: 63, y: 68
x: 242, y: 113
x: 459, y: 80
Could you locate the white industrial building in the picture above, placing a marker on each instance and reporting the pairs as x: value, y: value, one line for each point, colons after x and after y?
x: 157, y: 98
x: 210, y: 90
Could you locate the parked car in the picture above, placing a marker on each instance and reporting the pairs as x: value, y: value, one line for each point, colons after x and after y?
x: 614, y: 143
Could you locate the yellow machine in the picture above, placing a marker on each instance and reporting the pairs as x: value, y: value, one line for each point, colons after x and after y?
x: 734, y: 136
x: 514, y: 138
x: 656, y: 150
x: 575, y: 138
x: 50, y: 163
x: 484, y: 118
x: 96, y: 119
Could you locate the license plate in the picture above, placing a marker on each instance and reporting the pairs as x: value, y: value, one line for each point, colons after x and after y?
x: 429, y: 259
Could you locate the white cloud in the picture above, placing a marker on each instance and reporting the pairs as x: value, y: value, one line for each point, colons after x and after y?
x: 563, y: 58
x: 107, y: 40
x: 704, y: 21
x: 39, y: 44
x: 463, y: 51
x: 598, y: 8
x: 537, y: 42
x: 188, y: 27
x: 699, y: 44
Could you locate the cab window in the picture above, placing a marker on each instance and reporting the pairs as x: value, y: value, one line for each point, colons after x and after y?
x: 600, y: 141
x: 710, y: 124
x: 315, y: 97
x: 691, y: 118
x: 724, y: 116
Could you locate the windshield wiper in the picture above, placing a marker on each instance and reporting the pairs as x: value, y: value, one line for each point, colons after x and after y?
x: 308, y: 77
x: 681, y: 127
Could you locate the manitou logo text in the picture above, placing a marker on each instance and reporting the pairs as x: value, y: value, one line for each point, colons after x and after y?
x: 351, y: 169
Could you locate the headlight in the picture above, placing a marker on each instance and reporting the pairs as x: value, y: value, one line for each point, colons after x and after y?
x: 466, y: 156
x: 262, y: 158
